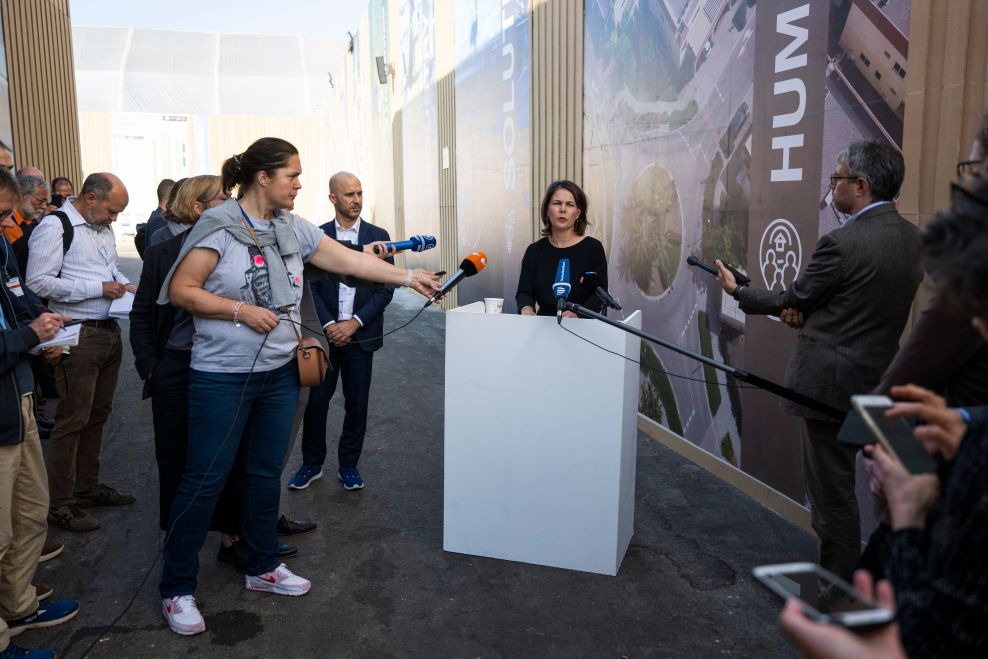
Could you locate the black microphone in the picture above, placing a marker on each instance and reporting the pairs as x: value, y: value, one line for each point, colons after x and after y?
x: 594, y: 282
x: 470, y: 266
x: 740, y: 278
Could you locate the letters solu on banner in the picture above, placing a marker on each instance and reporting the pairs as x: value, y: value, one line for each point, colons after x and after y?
x: 790, y: 68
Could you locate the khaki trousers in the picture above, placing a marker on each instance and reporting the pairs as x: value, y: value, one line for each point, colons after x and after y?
x: 86, y: 386
x: 23, y: 521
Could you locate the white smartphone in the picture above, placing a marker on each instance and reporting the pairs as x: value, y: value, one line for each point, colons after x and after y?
x: 824, y: 596
x: 895, y: 435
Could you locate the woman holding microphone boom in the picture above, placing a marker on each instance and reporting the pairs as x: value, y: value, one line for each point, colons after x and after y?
x: 239, y: 275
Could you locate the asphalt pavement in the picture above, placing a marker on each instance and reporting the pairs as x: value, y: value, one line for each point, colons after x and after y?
x: 382, y: 584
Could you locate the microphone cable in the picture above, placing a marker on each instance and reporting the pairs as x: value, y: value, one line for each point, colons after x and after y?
x: 703, y: 380
x: 164, y: 541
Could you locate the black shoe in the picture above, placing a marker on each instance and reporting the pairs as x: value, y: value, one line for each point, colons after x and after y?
x: 288, y: 526
x: 235, y: 555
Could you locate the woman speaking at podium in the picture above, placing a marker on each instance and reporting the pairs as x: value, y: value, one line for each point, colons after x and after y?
x: 564, y: 223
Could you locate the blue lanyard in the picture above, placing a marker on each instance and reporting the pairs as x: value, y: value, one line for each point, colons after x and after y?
x: 244, y: 213
x: 101, y: 248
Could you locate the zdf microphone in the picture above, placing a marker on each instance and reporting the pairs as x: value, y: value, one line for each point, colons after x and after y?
x: 415, y: 243
x: 561, y: 288
x: 470, y: 266
x: 592, y: 281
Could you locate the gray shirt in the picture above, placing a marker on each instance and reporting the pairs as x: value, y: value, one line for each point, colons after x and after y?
x: 242, y: 274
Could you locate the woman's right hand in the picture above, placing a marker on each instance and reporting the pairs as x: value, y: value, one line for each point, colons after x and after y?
x: 259, y: 319
x: 527, y: 311
x: 424, y: 282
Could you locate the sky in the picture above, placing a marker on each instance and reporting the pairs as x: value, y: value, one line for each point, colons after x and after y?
x: 317, y: 18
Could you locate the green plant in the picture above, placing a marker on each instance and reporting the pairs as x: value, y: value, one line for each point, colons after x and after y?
x: 655, y: 372
x: 709, y: 373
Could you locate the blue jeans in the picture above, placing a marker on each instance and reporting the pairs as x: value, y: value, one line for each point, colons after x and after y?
x: 225, y: 410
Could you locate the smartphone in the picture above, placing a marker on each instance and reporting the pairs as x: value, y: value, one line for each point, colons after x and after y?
x: 824, y: 596
x: 895, y: 435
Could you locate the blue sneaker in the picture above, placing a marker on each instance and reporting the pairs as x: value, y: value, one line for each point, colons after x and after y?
x: 351, y: 478
x: 305, y: 475
x: 14, y: 652
x: 48, y: 614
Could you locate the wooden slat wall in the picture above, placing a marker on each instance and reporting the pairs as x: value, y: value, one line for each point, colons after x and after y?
x: 557, y: 96
x: 40, y: 67
x: 946, y: 97
x: 446, y: 93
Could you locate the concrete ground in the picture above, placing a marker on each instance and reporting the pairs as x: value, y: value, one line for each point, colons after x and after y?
x: 384, y: 587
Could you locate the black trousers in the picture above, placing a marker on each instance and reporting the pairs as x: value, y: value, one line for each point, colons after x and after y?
x: 354, y: 366
x: 170, y: 410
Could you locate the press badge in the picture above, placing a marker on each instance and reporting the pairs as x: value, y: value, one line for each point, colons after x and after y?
x: 14, y: 285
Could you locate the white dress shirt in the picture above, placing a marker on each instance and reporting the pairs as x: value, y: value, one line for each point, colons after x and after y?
x: 346, y: 294
x: 73, y: 282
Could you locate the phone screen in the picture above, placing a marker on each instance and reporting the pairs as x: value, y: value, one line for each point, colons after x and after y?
x: 899, y: 435
x: 825, y: 593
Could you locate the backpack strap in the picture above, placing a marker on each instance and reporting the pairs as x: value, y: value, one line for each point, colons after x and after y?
x: 68, y: 231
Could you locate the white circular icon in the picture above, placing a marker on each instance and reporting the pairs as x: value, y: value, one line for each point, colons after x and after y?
x: 780, y: 255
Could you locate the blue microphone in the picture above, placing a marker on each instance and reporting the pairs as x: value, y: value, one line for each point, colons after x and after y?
x: 561, y: 288
x: 415, y: 243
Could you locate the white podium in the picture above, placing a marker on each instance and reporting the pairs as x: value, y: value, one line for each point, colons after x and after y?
x: 540, y: 435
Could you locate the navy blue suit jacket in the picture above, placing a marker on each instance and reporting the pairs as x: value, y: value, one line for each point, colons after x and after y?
x: 369, y: 302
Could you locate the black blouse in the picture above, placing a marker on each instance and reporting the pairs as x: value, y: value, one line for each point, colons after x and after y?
x: 538, y: 274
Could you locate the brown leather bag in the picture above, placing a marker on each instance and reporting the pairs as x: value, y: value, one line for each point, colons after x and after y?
x: 312, y: 360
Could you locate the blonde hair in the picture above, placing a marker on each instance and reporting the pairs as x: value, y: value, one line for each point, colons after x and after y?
x: 198, y: 188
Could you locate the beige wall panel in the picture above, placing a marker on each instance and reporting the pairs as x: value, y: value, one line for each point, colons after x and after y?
x: 946, y: 98
x: 231, y: 134
x: 557, y: 96
x: 445, y: 90
x: 38, y: 38
x: 95, y: 128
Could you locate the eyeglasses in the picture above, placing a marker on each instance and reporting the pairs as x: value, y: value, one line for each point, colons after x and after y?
x: 834, y: 178
x: 967, y: 168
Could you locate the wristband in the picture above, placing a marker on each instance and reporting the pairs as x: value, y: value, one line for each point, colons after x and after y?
x: 236, y: 313
x: 408, y: 279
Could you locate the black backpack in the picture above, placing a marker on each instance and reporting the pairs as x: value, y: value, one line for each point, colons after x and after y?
x: 141, y: 238
x: 22, y: 246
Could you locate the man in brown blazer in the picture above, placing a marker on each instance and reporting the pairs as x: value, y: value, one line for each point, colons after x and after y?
x: 855, y: 295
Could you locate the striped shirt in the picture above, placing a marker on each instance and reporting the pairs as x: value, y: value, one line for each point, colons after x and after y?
x: 73, y: 282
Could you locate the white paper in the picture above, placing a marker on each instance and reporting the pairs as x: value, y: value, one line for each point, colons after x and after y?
x: 120, y: 308
x: 67, y: 336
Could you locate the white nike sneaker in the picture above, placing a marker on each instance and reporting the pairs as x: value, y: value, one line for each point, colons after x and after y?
x: 280, y: 581
x: 183, y: 615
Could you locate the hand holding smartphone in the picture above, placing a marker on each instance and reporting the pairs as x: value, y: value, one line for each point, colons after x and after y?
x: 895, y: 435
x: 823, y: 596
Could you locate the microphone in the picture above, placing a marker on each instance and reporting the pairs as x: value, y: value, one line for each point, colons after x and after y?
x: 561, y: 288
x: 595, y: 283
x: 415, y: 243
x: 470, y: 266
x: 740, y: 278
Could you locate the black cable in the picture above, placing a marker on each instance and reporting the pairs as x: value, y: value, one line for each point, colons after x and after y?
x: 243, y: 395
x: 376, y: 338
x: 161, y: 546
x: 691, y: 379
